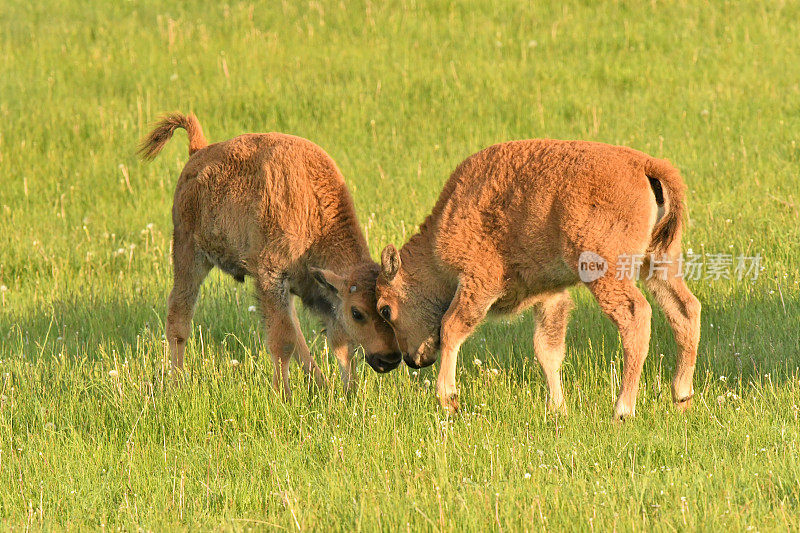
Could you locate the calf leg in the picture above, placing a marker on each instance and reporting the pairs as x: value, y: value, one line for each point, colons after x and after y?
x: 303, y: 354
x: 285, y: 339
x: 190, y: 269
x: 628, y: 309
x: 683, y: 313
x: 552, y: 316
x: 466, y: 311
x: 344, y: 353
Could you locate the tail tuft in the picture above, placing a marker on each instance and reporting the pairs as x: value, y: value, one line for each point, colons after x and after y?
x: 664, y: 233
x: 667, y: 230
x: 155, y: 141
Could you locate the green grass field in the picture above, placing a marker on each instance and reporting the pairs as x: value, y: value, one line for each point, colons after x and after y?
x: 398, y: 94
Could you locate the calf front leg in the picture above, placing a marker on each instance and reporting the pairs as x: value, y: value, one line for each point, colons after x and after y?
x: 303, y: 354
x: 285, y: 339
x: 344, y: 353
x: 466, y: 311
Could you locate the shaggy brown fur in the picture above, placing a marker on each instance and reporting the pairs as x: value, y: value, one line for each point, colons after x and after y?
x: 274, y: 207
x: 507, y: 233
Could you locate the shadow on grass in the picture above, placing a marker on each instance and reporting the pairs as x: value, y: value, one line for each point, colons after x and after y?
x: 91, y: 325
x: 743, y: 336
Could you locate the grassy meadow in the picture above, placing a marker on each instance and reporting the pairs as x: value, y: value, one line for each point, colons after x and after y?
x: 398, y: 93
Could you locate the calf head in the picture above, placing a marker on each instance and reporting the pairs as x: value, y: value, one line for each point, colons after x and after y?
x: 414, y: 315
x: 357, y: 318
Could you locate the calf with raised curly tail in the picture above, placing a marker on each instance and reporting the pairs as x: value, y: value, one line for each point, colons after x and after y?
x: 520, y: 222
x: 274, y: 207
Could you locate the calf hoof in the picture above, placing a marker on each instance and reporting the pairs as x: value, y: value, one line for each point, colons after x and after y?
x: 449, y: 403
x: 350, y: 389
x: 683, y: 404
x: 319, y: 381
x: 176, y: 377
x: 558, y: 409
x: 622, y: 413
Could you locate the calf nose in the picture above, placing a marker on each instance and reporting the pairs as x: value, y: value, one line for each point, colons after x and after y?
x: 417, y: 362
x: 384, y: 362
x: 411, y: 362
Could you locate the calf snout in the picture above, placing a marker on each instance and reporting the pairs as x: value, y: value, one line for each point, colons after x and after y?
x: 384, y: 362
x: 417, y: 362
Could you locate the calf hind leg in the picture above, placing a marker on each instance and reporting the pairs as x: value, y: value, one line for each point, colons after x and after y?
x: 190, y: 269
x: 683, y: 313
x: 552, y: 316
x: 628, y: 309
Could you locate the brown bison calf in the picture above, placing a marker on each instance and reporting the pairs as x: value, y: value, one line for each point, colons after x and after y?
x: 508, y: 232
x: 274, y: 207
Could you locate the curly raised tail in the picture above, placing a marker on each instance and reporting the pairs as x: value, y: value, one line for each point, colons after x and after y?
x: 155, y: 141
x: 664, y: 178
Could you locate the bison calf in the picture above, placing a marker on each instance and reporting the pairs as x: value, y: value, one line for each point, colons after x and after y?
x: 274, y: 207
x: 508, y: 232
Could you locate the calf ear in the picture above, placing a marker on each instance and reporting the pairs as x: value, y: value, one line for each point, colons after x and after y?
x: 330, y: 281
x: 390, y: 262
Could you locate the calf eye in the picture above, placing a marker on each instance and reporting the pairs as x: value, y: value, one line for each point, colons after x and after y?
x: 386, y: 313
x: 358, y: 316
